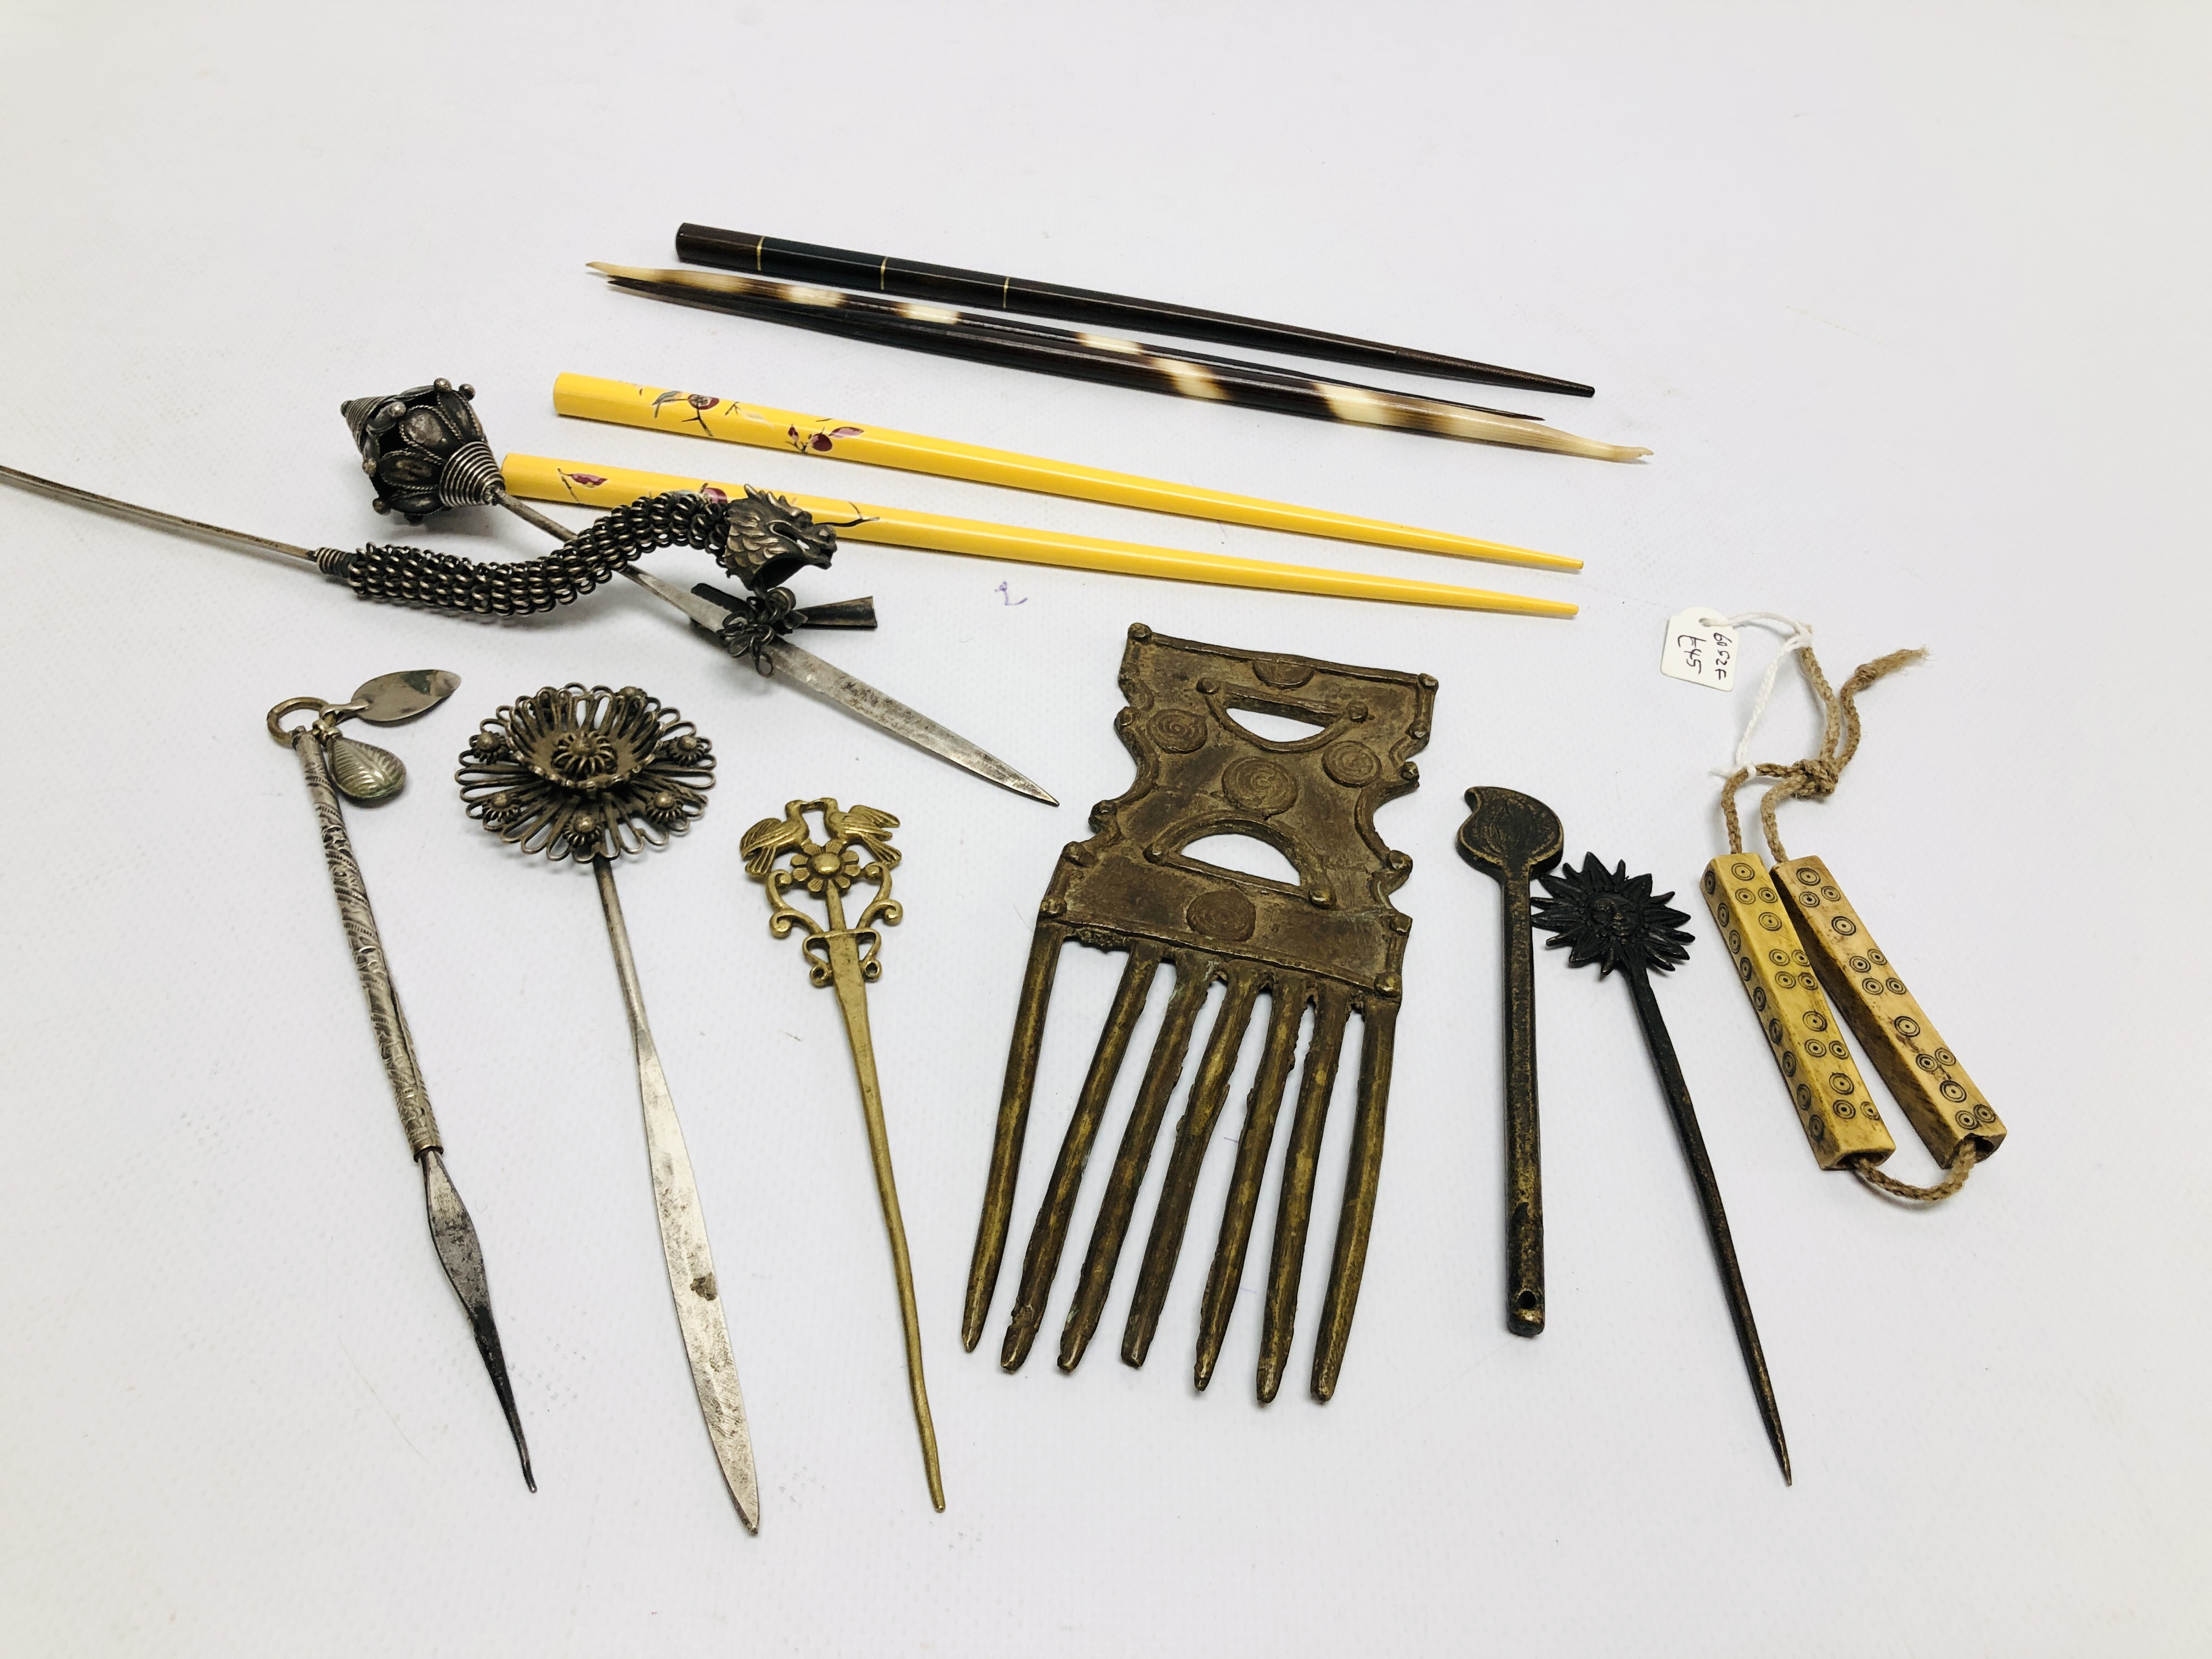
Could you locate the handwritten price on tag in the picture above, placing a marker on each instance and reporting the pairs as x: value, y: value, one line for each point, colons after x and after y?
x: 1700, y: 648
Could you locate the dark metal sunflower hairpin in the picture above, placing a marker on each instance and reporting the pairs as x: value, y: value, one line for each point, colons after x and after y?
x: 1610, y: 917
x: 1614, y: 920
x: 581, y: 772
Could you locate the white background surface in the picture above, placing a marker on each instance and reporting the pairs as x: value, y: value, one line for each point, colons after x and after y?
x: 1910, y: 305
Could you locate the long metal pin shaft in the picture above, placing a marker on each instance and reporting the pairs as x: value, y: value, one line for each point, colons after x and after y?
x: 851, y: 988
x: 529, y: 515
x: 691, y: 1279
x: 451, y: 1233
x: 147, y: 515
x: 1708, y: 1197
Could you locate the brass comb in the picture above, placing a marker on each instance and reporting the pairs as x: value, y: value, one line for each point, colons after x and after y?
x: 1332, y: 941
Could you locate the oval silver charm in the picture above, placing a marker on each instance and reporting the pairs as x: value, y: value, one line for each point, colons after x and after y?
x: 363, y: 772
x: 391, y: 698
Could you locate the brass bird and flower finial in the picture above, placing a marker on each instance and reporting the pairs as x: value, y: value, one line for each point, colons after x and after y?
x: 789, y: 856
x: 826, y: 867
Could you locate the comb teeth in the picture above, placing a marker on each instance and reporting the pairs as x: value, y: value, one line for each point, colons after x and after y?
x: 1193, y: 1135
x: 1192, y: 976
x: 1261, y: 1110
x: 1316, y: 1082
x: 1049, y: 1236
x: 1194, y: 973
x: 1362, y: 1182
x: 1012, y: 1131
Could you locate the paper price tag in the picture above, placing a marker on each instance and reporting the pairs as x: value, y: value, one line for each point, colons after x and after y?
x: 1700, y: 648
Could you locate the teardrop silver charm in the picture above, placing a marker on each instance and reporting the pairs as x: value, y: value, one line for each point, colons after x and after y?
x: 363, y: 772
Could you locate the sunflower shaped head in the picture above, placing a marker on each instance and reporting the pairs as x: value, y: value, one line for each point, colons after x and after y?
x: 584, y: 772
x: 768, y: 541
x: 1611, y: 917
x: 425, y: 449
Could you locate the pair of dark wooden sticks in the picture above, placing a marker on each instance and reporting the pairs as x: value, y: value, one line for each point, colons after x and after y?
x: 902, y: 303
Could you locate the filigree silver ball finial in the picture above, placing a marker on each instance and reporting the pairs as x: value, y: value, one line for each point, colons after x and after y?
x: 425, y: 448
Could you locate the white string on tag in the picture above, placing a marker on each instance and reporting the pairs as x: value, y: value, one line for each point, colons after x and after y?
x: 1800, y: 634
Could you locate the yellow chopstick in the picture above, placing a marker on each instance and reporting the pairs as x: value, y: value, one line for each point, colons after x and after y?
x: 702, y: 417
x: 588, y: 484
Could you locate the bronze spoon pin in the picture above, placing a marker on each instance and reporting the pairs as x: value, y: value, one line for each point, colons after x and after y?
x: 1613, y: 919
x: 1512, y: 837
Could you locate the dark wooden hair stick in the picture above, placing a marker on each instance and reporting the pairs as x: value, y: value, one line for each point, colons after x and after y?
x: 804, y: 261
x: 1105, y: 359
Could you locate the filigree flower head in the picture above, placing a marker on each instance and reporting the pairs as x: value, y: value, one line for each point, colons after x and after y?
x: 1611, y: 917
x: 588, y: 760
x: 581, y: 773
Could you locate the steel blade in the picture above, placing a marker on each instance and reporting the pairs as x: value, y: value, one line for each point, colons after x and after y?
x: 454, y: 1237
x: 147, y: 515
x: 709, y: 616
x: 691, y: 1279
x: 803, y: 668
x: 692, y: 1283
x: 825, y: 680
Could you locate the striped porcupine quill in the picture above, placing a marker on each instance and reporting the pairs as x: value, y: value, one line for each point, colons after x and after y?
x: 916, y: 325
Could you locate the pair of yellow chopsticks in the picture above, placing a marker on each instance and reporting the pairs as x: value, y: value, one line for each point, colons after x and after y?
x: 699, y: 415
